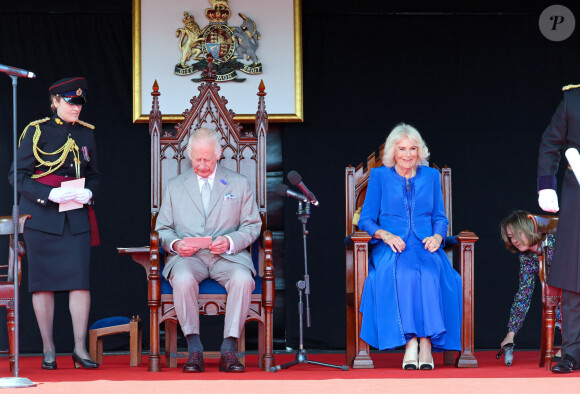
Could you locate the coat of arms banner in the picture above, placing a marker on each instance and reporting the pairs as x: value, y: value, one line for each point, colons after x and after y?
x: 248, y: 41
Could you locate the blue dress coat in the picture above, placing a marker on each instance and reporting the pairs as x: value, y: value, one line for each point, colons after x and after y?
x: 416, y: 292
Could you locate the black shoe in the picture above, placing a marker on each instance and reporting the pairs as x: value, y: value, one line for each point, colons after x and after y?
x: 229, y: 363
x: 194, y: 363
x: 566, y: 365
x: 83, y: 362
x: 47, y: 365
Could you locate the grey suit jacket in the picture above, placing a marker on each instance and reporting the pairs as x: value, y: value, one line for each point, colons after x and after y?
x: 232, y: 211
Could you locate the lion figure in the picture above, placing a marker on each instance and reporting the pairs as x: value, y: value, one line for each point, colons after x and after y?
x: 189, y: 39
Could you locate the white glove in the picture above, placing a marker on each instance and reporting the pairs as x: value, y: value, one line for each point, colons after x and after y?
x: 548, y: 200
x: 83, y: 196
x: 61, y: 194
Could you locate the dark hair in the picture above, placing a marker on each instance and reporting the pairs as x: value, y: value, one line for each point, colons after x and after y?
x: 520, y: 223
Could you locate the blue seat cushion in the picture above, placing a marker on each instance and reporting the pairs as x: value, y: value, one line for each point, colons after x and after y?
x: 110, y: 322
x: 210, y: 286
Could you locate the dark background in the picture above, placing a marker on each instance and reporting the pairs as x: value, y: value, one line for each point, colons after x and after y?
x: 479, y: 81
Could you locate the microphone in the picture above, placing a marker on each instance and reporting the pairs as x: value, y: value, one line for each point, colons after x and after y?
x: 296, y: 180
x: 17, y: 72
x: 283, y: 190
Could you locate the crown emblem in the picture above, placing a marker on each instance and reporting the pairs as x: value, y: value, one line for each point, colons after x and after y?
x: 188, y: 19
x: 79, y: 92
x: 219, y: 13
x: 218, y: 48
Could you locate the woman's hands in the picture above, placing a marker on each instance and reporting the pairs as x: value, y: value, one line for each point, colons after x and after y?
x: 433, y: 242
x: 394, y: 241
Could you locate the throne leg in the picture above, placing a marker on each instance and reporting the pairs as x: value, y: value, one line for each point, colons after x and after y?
x: 11, y: 342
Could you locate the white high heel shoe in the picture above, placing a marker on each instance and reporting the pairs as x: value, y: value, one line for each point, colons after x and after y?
x: 413, y: 361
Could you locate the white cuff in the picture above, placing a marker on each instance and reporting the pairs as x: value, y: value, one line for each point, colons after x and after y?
x: 232, y: 248
x: 171, y: 250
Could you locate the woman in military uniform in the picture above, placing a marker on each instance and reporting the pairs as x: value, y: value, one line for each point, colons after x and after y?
x: 51, y: 151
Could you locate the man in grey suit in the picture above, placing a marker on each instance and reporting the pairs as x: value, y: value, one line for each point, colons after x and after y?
x: 209, y: 201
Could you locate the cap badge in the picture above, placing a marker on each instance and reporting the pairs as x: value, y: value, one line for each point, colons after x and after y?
x: 79, y: 92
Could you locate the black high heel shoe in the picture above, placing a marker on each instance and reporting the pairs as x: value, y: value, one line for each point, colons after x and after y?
x: 83, y: 362
x: 508, y: 349
x: 47, y: 365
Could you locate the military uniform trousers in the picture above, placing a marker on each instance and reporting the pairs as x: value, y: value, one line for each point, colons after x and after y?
x: 571, y: 324
x: 189, y: 272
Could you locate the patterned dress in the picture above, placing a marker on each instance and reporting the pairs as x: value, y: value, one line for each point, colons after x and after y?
x: 529, y: 270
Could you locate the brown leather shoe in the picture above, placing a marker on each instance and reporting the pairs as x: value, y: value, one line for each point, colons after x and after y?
x: 194, y: 363
x: 230, y: 363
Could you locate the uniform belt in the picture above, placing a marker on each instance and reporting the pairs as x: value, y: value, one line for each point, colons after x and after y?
x: 55, y: 181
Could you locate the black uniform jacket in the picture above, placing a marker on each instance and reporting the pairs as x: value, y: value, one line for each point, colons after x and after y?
x: 563, y: 133
x: 34, y: 195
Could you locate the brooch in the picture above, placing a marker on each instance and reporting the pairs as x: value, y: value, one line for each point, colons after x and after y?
x: 229, y: 196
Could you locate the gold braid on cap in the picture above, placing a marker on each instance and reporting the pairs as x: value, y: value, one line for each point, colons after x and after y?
x: 568, y: 87
x: 69, y: 146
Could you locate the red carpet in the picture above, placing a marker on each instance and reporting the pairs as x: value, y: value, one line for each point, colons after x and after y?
x: 115, y: 374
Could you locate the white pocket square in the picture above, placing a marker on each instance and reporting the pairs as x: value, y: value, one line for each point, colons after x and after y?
x: 229, y: 196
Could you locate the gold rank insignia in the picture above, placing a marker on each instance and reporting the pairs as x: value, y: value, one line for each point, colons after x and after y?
x: 58, y: 121
x: 39, y: 121
x: 568, y: 87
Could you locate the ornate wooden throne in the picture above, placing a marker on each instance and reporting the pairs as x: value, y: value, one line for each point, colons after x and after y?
x: 244, y: 152
x: 357, y: 253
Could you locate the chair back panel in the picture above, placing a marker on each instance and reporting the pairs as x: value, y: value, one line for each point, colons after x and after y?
x: 357, y: 180
x: 544, y: 224
x: 243, y: 151
x: 7, y: 228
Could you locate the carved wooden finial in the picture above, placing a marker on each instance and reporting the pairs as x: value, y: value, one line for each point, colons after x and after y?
x: 155, y: 91
x: 262, y: 87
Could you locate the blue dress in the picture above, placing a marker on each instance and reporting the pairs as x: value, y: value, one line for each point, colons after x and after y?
x: 415, y: 293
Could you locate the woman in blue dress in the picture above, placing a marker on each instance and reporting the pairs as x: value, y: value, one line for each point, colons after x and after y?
x: 412, y: 295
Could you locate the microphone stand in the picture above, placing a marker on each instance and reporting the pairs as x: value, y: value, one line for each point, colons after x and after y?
x: 304, y: 287
x: 15, y: 381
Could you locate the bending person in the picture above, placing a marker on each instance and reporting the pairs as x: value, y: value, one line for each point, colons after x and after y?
x: 53, y: 150
x: 517, y: 231
x: 412, y: 295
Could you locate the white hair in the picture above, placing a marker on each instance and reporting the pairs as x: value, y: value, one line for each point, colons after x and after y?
x: 203, y: 135
x: 403, y: 130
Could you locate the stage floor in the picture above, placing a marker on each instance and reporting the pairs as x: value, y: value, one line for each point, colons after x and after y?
x: 492, y: 376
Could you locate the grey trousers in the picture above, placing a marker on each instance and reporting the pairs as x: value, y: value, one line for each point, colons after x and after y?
x: 237, y: 279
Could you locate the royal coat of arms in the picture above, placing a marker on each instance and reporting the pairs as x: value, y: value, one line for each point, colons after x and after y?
x: 228, y: 45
